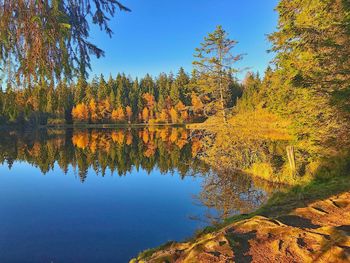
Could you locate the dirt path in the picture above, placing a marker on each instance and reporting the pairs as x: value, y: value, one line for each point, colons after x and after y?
x: 319, y: 232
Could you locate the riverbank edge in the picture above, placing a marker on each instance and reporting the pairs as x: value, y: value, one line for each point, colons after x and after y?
x: 280, y: 204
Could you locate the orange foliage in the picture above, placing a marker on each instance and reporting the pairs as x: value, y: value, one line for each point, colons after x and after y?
x: 184, y: 115
x: 145, y: 114
x: 173, y: 136
x: 129, y: 138
x: 173, y: 115
x: 93, y: 111
x: 196, y: 146
x: 164, y: 115
x: 180, y: 106
x: 104, y: 108
x: 128, y: 112
x: 181, y: 143
x: 118, y: 137
x: 196, y: 103
x: 150, y: 101
x: 118, y: 114
x: 93, y: 146
x: 80, y: 112
x: 145, y: 136
x: 164, y: 134
x: 151, y: 150
x: 104, y: 143
x: 168, y: 103
x: 81, y: 140
x: 184, y: 134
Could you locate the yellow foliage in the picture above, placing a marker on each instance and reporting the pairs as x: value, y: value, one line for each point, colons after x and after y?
x: 173, y: 135
x: 173, y: 115
x: 145, y: 114
x: 196, y: 146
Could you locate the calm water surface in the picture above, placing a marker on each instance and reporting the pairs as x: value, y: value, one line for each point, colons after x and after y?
x: 106, y: 195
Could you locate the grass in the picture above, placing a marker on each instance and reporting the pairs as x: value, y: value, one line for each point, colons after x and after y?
x: 149, y: 252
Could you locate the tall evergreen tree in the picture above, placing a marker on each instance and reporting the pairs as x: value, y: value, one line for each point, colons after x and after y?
x: 214, y: 58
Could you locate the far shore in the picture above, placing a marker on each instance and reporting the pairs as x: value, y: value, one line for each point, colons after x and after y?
x: 96, y: 126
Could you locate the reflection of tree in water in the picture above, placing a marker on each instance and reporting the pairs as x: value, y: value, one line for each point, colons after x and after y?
x: 234, y: 158
x: 110, y: 151
x: 229, y: 193
x: 119, y: 151
x: 232, y: 192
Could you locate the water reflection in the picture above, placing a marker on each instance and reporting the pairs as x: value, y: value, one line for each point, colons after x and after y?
x: 166, y: 149
x: 224, y: 191
x: 141, y: 210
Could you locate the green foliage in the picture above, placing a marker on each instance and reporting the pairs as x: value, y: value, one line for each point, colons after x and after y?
x: 310, y: 83
x: 43, y: 40
x: 119, y: 150
x: 169, y: 93
x: 214, y: 66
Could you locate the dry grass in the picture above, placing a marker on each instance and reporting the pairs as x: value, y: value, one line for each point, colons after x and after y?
x: 258, y: 124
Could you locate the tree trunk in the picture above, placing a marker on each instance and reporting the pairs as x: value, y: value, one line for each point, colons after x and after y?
x: 222, y: 104
x: 291, y: 159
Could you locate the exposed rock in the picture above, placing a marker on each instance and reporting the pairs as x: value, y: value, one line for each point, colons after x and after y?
x: 316, y: 233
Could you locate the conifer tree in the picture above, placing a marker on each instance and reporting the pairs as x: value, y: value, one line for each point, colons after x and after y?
x: 43, y: 40
x: 214, y: 61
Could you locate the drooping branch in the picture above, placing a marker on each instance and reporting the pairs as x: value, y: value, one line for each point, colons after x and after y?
x: 46, y: 39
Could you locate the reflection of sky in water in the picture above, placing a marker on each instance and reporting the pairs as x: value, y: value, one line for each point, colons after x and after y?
x: 83, y: 216
x: 55, y: 217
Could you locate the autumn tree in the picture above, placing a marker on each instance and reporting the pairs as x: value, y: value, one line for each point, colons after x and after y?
x: 93, y: 110
x: 145, y: 114
x: 80, y: 112
x: 105, y: 109
x: 173, y: 115
x: 197, y: 104
x: 128, y: 111
x: 118, y: 114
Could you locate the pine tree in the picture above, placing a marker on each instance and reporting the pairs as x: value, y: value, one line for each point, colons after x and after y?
x: 79, y: 91
x: 214, y: 61
x: 182, y: 82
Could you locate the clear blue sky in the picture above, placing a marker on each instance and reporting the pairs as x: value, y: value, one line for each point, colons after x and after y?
x: 161, y: 35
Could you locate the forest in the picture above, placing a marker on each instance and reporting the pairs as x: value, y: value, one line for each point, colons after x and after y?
x: 303, y: 96
x: 168, y: 98
x: 289, y: 125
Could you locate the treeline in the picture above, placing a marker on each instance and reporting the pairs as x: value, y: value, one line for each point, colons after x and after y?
x: 120, y: 151
x: 167, y: 98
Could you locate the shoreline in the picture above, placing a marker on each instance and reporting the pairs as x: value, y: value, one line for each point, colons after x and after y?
x: 226, y: 240
x: 90, y: 126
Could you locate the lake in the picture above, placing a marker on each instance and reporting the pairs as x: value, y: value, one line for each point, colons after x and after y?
x: 104, y: 195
